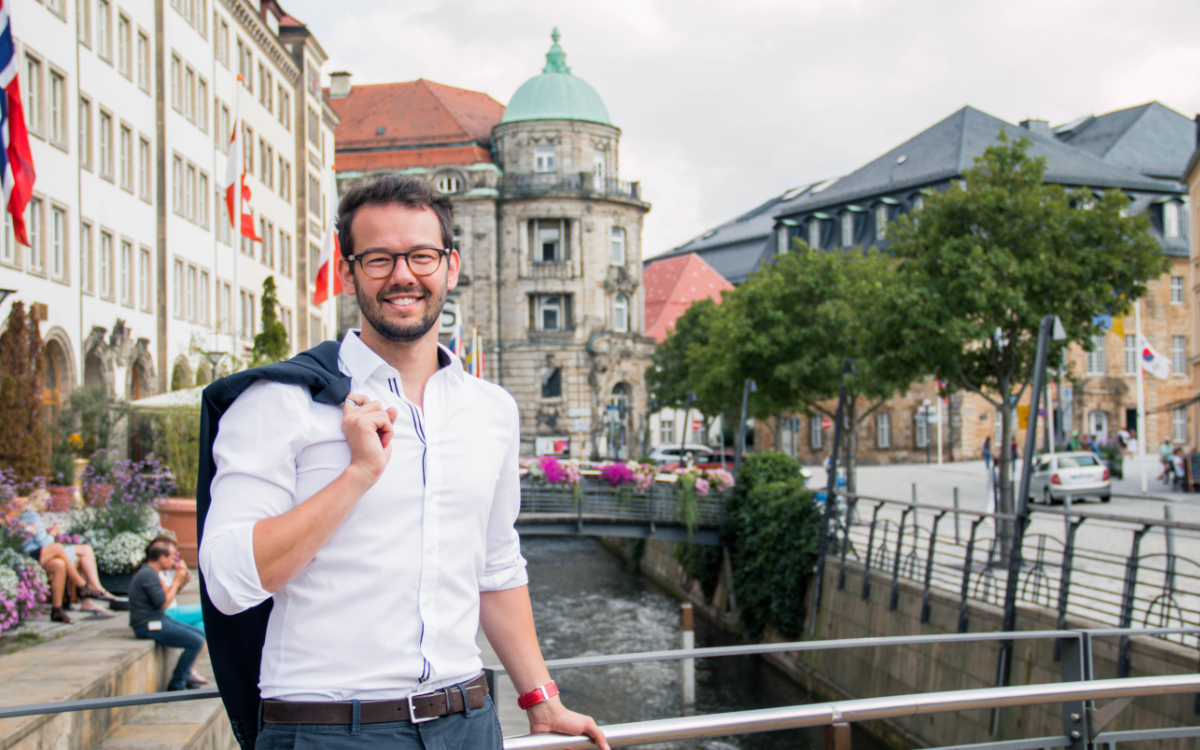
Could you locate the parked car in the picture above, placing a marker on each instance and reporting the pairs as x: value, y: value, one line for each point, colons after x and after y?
x: 674, y: 453
x: 1076, y: 475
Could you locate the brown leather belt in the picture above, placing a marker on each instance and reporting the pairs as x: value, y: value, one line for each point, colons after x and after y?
x: 414, y: 708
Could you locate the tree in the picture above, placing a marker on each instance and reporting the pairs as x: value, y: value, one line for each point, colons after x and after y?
x: 271, y: 345
x: 22, y: 416
x: 793, y: 323
x: 983, y: 262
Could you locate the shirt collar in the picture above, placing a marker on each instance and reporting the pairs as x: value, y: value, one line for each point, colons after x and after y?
x: 360, y: 361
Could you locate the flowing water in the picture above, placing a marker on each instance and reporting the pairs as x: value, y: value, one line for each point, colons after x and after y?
x: 587, y: 602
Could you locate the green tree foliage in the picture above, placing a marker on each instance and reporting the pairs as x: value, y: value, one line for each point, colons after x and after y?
x: 271, y: 345
x: 177, y: 440
x: 96, y: 417
x: 22, y: 416
x: 775, y: 527
x: 982, y: 263
x: 683, y: 363
x: 793, y: 324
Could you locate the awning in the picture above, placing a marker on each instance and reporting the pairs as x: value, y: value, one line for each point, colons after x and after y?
x: 187, y: 397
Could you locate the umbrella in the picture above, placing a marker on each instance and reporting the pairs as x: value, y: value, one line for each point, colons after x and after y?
x: 187, y: 397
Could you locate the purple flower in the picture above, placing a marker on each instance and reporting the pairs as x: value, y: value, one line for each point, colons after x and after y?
x: 616, y: 474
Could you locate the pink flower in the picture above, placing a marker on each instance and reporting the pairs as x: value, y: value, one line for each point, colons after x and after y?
x: 702, y: 487
x: 616, y: 474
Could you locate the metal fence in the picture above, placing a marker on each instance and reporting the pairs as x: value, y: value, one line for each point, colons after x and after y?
x: 595, y: 501
x: 524, y: 184
x: 1103, y: 568
x: 1083, y: 723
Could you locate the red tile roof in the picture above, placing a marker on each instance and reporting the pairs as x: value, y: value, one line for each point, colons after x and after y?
x: 672, y: 285
x: 413, y: 114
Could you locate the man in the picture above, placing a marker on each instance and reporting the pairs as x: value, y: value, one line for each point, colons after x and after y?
x: 381, y: 528
x: 148, y: 601
x: 1165, y: 451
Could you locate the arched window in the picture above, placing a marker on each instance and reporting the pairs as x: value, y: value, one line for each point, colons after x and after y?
x: 1097, y: 424
x: 55, y: 364
x: 621, y: 314
x: 448, y: 184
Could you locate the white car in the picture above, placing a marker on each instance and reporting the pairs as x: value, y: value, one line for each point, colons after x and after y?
x: 672, y: 454
x: 1075, y: 475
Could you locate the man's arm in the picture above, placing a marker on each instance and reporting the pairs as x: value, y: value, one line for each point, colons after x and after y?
x: 284, y: 544
x: 507, y: 620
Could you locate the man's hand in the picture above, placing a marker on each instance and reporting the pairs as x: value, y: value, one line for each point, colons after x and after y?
x: 368, y: 429
x: 553, y: 716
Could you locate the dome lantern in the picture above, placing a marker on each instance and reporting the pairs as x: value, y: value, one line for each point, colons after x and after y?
x: 556, y: 94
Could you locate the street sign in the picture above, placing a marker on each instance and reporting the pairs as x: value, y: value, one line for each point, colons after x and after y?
x: 697, y: 424
x: 552, y: 446
x: 826, y: 423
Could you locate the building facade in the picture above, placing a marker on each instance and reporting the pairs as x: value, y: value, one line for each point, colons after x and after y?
x: 549, y: 235
x: 1142, y: 151
x: 132, y: 263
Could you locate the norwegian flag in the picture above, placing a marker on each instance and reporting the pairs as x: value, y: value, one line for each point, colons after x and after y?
x: 16, y: 161
x: 329, y: 246
x: 235, y: 171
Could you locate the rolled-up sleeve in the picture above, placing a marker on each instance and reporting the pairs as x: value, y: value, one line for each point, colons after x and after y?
x: 255, y: 453
x: 504, y: 567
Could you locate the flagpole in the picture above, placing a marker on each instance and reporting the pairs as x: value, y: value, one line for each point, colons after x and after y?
x: 329, y: 227
x: 1141, y: 397
x: 236, y: 221
x: 939, y: 417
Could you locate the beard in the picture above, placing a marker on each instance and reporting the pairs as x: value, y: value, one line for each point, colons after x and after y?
x: 404, y: 331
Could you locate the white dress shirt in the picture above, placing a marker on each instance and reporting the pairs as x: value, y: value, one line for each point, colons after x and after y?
x: 390, y: 605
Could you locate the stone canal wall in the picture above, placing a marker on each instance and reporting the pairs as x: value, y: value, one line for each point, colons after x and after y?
x: 900, y: 670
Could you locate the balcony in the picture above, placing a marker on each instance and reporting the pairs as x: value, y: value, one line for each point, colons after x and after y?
x: 584, y: 184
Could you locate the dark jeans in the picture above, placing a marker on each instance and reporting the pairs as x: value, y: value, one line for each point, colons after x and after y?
x: 175, y: 634
x: 477, y: 729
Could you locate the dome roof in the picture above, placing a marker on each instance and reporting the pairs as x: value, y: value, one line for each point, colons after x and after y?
x: 556, y: 94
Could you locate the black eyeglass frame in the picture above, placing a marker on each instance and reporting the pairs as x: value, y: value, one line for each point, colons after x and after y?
x: 441, y: 253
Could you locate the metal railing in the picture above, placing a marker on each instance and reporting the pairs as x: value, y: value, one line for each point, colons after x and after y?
x: 658, y: 505
x: 528, y: 184
x: 1082, y: 723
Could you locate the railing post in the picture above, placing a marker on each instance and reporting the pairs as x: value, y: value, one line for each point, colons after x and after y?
x: 929, y: 567
x: 837, y: 737
x: 957, y: 517
x: 1127, y: 602
x: 850, y: 505
x: 966, y: 581
x: 866, y: 589
x: 650, y: 504
x: 895, y: 598
x: 687, y: 640
x: 1076, y: 666
x: 1064, y: 586
x: 579, y: 506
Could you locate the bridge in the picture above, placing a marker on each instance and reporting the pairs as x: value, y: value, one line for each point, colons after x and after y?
x: 550, y: 510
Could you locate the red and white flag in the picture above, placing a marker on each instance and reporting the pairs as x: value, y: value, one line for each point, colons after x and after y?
x: 325, y: 267
x: 16, y: 160
x: 235, y: 172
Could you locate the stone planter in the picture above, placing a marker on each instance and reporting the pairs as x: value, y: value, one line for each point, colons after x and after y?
x: 115, y: 583
x: 179, y: 517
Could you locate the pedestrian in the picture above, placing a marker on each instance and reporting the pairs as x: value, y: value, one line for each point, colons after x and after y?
x: 1164, y: 455
x: 1091, y: 444
x: 360, y: 528
x: 1012, y: 450
x: 1073, y: 444
x: 1132, y: 443
x: 987, y: 453
x: 1177, y: 468
x: 148, y: 601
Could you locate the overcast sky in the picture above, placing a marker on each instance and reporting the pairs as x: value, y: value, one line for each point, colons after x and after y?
x: 725, y: 104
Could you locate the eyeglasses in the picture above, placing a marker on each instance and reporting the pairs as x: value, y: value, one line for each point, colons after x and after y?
x: 379, y: 264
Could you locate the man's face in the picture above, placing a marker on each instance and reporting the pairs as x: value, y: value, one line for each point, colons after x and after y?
x: 403, y: 307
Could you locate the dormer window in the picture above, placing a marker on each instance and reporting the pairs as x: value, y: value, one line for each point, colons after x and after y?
x: 881, y: 221
x: 447, y: 185
x: 1170, y: 219
x: 847, y: 229
x: 543, y: 159
x: 814, y: 232
x: 918, y: 202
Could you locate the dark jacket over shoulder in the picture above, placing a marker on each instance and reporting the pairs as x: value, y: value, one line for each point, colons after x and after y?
x: 235, y: 642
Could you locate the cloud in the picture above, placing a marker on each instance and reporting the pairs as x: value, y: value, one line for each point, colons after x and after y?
x: 723, y: 105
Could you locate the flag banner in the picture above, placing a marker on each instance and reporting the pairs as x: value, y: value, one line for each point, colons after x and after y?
x: 235, y: 173
x: 16, y: 160
x: 1153, y: 362
x: 330, y: 245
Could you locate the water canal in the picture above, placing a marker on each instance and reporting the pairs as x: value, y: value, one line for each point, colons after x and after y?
x: 587, y: 602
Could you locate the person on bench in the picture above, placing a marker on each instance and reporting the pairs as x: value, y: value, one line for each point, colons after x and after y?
x: 148, y: 601
x: 73, y: 562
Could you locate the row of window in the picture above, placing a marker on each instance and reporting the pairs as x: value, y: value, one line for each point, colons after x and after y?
x: 115, y: 43
x: 1097, y: 359
x: 549, y: 239
x: 555, y: 312
x: 545, y: 159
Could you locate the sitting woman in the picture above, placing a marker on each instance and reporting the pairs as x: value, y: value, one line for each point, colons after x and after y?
x: 74, y: 562
x: 148, y: 601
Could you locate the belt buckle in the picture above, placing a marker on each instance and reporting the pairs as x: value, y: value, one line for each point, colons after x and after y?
x: 412, y: 709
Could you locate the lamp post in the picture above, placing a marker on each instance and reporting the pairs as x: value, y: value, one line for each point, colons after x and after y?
x: 925, y: 418
x: 747, y: 389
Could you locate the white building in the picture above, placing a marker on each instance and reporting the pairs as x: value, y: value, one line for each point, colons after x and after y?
x: 132, y: 264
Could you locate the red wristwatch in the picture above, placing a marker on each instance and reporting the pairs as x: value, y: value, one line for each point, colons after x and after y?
x: 538, y: 695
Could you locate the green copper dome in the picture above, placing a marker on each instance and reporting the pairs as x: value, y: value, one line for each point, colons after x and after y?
x: 556, y: 94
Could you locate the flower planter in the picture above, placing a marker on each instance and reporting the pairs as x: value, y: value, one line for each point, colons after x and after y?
x: 115, y: 583
x: 179, y: 517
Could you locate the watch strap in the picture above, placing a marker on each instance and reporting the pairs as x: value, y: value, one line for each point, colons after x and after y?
x: 538, y: 695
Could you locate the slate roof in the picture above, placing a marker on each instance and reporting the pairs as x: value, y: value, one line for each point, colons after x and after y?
x: 1152, y: 139
x: 424, y: 124
x: 949, y: 148
x: 672, y: 285
x: 737, y: 247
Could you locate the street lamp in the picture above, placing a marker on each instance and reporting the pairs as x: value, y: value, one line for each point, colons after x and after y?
x: 925, y: 416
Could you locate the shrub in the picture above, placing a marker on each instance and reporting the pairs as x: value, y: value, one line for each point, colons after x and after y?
x: 22, y: 419
x: 777, y: 533
x: 178, y: 437
x: 119, y: 554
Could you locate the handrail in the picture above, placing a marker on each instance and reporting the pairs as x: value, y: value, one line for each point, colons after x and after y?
x: 867, y: 709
